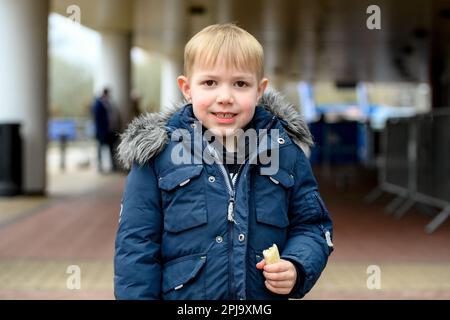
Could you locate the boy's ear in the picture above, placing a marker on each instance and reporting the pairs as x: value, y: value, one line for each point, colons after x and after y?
x: 262, y: 87
x: 183, y: 84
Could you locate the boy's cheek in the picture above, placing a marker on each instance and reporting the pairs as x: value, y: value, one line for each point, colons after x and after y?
x: 200, y: 110
x: 249, y: 105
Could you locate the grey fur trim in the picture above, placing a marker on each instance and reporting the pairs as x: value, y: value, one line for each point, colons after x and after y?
x: 146, y: 136
x: 296, y: 128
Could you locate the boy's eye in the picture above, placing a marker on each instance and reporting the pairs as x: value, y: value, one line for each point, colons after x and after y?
x: 210, y: 83
x: 241, y: 84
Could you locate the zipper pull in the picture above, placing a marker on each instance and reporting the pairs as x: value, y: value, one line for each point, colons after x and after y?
x: 231, y: 211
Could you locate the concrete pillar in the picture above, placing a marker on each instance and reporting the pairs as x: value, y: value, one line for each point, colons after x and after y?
x: 174, y: 36
x: 170, y: 93
x: 23, y: 83
x: 223, y: 11
x: 114, y: 71
x: 272, y: 41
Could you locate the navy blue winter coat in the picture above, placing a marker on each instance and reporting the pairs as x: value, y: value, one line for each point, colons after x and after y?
x: 174, y: 240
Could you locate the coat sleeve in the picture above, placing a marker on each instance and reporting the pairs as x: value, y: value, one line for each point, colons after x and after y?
x: 137, y: 263
x: 310, y: 230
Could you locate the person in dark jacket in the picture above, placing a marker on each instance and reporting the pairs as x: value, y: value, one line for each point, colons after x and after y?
x: 106, y: 128
x: 193, y: 226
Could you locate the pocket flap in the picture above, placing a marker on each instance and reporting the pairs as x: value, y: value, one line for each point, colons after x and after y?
x: 179, y: 177
x: 179, y: 272
x: 282, y: 177
x: 274, y: 218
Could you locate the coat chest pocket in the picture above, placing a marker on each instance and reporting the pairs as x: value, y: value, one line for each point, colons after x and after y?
x: 183, y: 198
x: 272, y: 198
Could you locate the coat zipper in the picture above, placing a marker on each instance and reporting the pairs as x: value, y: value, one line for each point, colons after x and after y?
x: 231, y: 187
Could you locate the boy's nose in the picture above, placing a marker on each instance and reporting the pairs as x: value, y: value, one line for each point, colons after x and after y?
x: 225, y: 98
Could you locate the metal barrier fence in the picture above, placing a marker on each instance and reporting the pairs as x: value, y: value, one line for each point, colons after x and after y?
x: 416, y: 165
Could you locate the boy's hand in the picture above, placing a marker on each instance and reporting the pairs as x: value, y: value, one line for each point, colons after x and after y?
x: 280, y: 277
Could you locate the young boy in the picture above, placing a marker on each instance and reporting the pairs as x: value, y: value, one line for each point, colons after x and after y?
x: 196, y: 228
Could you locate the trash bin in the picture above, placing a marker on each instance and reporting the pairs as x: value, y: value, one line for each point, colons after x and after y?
x: 10, y: 159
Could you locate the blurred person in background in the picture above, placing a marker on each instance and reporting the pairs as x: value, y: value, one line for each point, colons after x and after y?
x: 107, y: 126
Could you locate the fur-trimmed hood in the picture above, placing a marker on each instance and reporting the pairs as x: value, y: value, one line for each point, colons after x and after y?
x: 147, y: 136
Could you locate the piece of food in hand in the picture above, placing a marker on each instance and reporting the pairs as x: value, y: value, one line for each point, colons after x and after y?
x: 271, y: 255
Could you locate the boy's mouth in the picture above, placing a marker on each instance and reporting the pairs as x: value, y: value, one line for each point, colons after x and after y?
x: 224, y: 115
x: 225, y: 118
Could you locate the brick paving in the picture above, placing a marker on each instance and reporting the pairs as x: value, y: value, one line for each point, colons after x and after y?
x: 41, y: 237
x: 413, y: 264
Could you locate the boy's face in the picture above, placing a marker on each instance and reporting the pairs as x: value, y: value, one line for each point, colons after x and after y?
x: 223, y: 99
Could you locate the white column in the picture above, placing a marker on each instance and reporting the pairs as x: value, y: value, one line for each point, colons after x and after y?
x: 114, y: 71
x: 23, y: 82
x: 170, y: 93
x: 272, y: 42
x: 173, y: 35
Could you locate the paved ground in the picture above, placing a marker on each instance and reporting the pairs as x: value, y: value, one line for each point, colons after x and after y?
x: 412, y: 264
x: 41, y: 239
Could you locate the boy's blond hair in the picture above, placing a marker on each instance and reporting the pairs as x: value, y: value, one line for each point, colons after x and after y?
x: 237, y: 47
